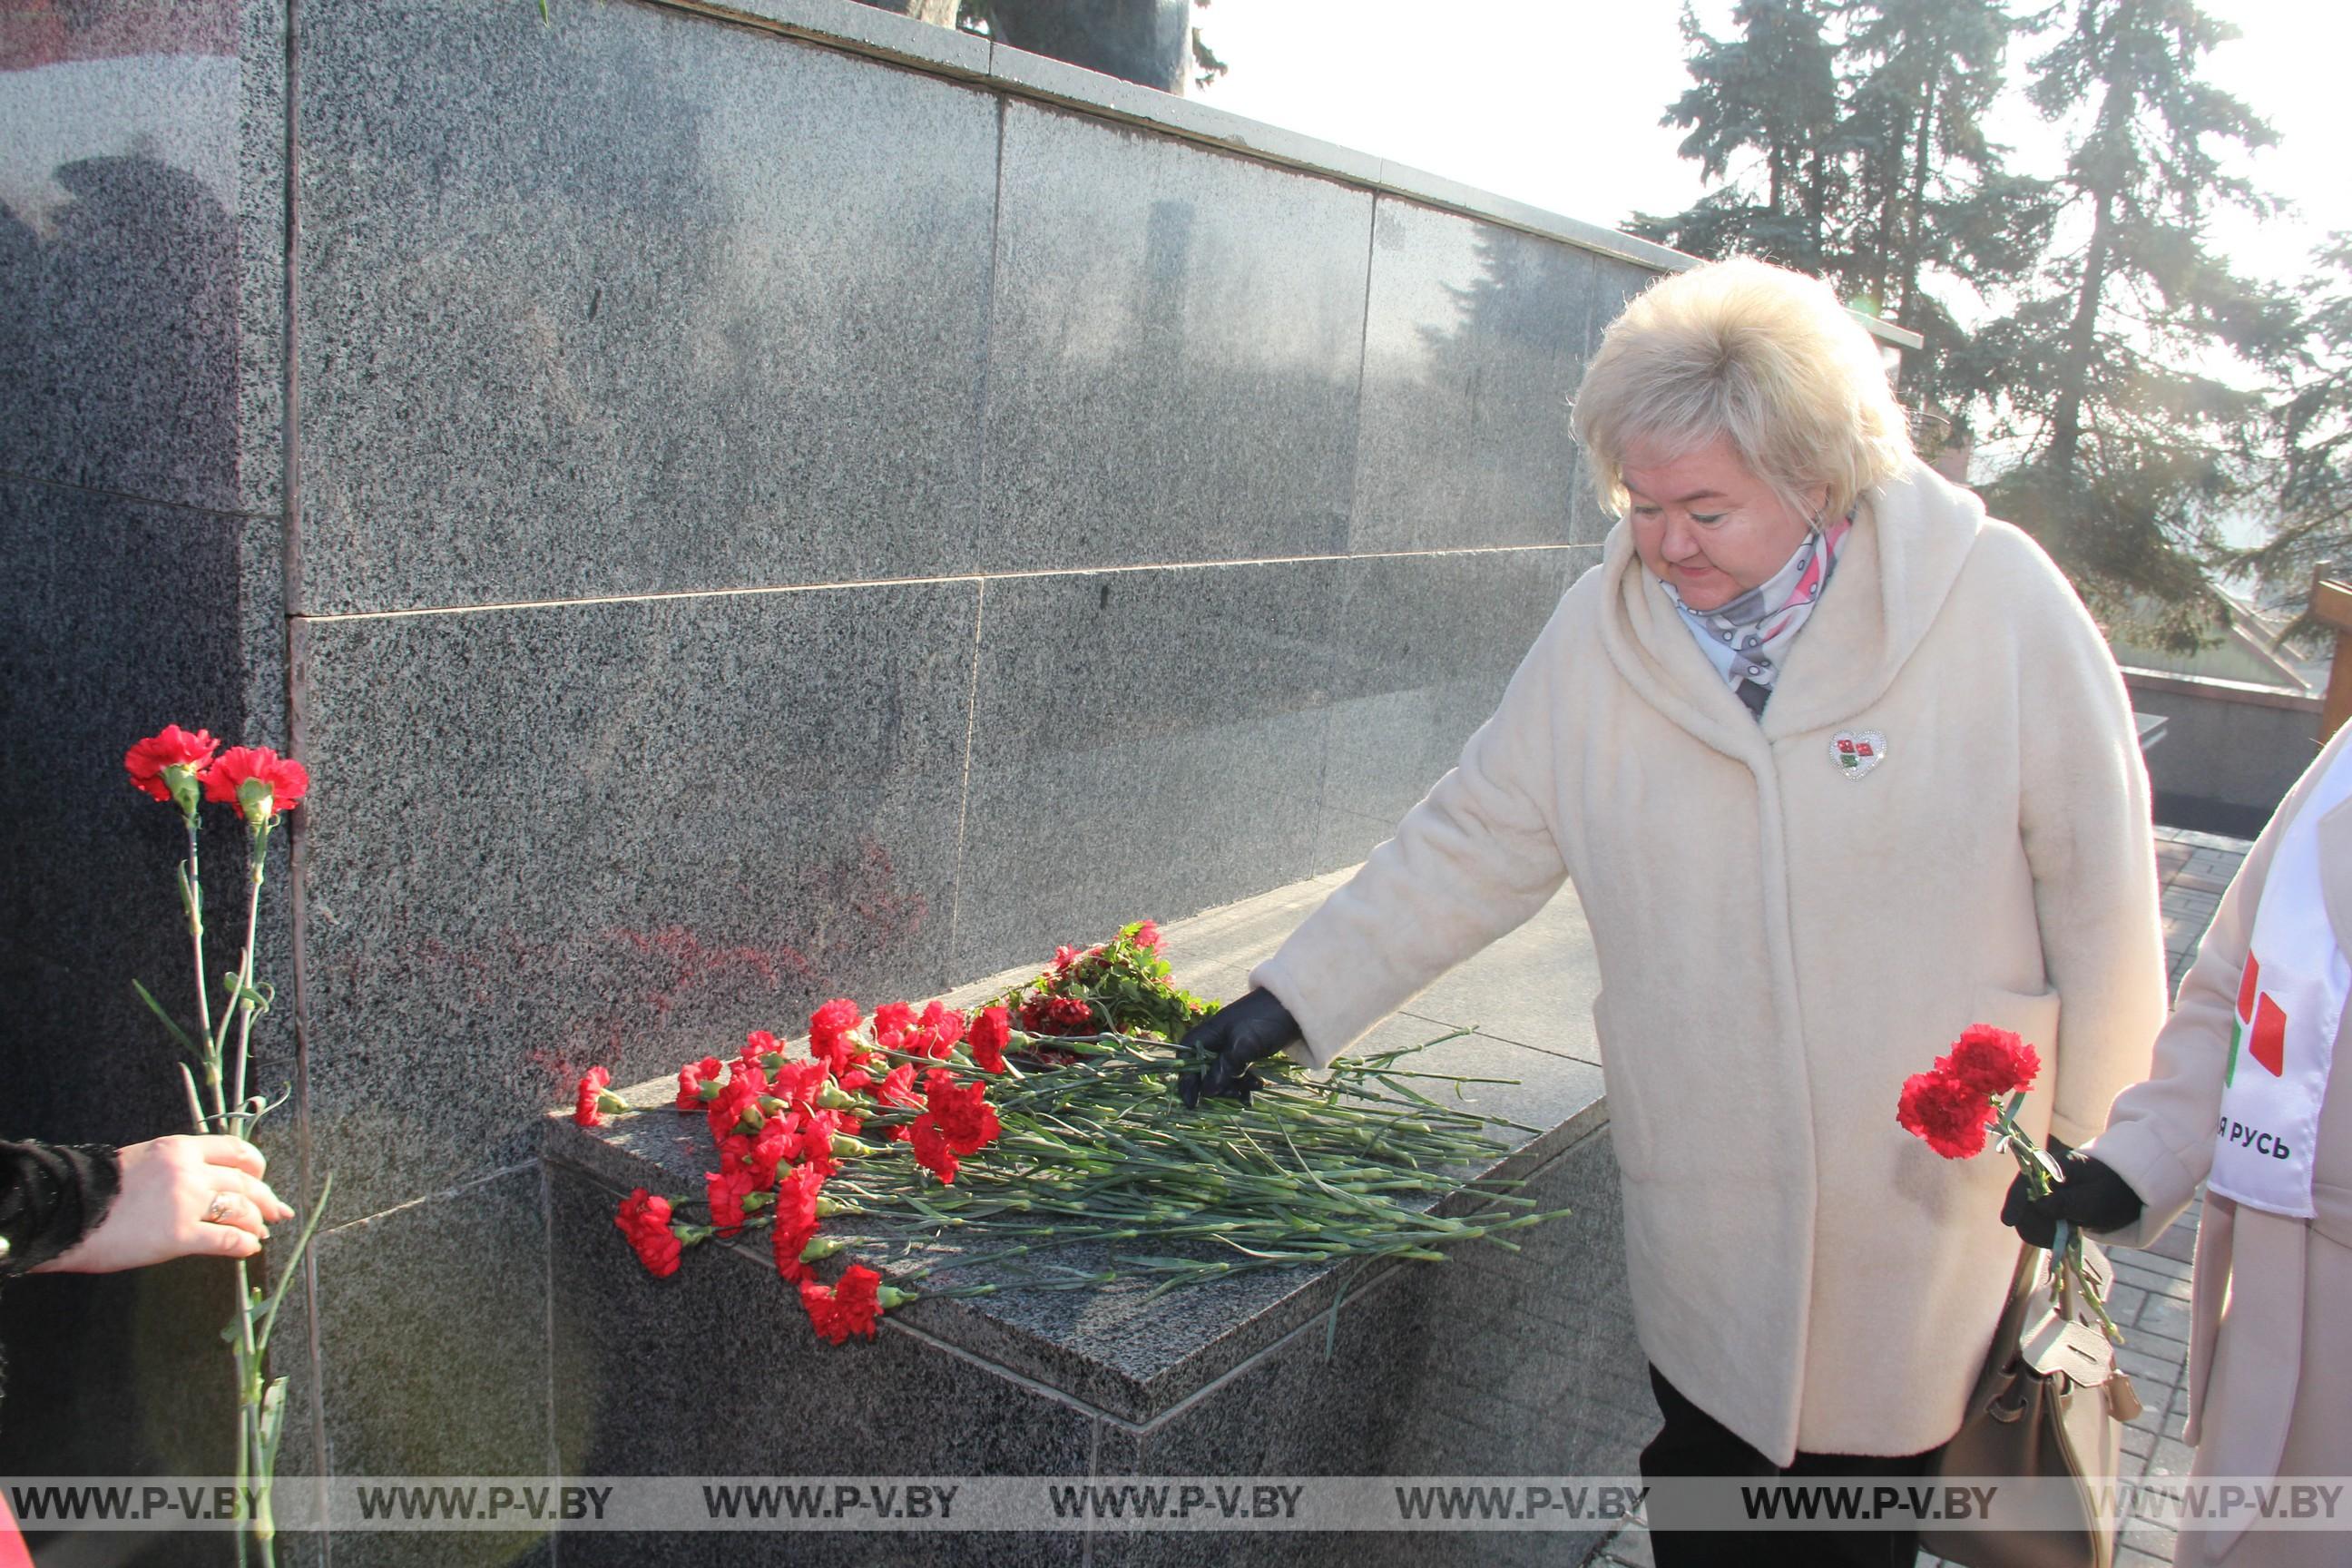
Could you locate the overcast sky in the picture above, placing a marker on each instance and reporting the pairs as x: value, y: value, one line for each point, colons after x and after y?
x: 1557, y: 103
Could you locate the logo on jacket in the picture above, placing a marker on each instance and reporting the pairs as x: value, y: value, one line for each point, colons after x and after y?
x: 2259, y: 1026
x: 1856, y: 751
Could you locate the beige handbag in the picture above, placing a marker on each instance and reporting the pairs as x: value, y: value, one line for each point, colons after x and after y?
x: 2050, y: 1406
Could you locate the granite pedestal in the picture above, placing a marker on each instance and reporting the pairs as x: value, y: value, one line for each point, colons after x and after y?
x: 1497, y: 1363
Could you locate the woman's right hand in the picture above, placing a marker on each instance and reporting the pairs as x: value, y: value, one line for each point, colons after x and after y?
x: 182, y: 1196
x: 1232, y: 1037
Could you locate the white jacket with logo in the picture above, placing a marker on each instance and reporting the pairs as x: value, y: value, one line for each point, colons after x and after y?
x: 1784, y: 940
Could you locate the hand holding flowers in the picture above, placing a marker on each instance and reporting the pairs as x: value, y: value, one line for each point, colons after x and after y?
x: 1975, y: 1091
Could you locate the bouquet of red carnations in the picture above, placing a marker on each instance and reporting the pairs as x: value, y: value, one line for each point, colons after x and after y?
x: 1045, y: 1121
x: 184, y: 769
x: 1976, y: 1092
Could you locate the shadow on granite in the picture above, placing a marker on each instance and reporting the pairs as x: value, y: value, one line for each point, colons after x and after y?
x: 1173, y: 351
x: 143, y: 250
x: 1475, y: 338
x: 432, y: 1322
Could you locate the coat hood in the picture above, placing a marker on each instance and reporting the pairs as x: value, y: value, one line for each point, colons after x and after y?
x: 1911, y: 538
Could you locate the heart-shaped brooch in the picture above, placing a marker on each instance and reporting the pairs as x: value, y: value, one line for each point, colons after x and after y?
x: 1856, y: 751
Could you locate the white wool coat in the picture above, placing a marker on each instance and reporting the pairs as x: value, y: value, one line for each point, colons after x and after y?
x: 2270, y: 1352
x: 1781, y: 942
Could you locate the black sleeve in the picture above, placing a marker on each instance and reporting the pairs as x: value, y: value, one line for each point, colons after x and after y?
x: 51, y: 1196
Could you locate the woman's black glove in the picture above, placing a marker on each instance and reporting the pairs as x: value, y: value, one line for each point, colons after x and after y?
x: 2090, y: 1197
x: 1232, y: 1037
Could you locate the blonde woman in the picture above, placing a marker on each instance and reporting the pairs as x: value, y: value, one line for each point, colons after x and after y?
x: 1838, y: 766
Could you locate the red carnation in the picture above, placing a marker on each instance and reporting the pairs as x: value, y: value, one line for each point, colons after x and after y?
x: 1147, y: 936
x: 644, y: 1220
x: 770, y: 1150
x: 1057, y: 1015
x: 851, y: 1307
x: 957, y: 1120
x: 1992, y: 1061
x: 585, y: 1111
x: 799, y: 1082
x: 991, y: 1032
x: 832, y: 1033
x: 940, y: 1029
x: 932, y: 1151
x: 691, y: 1079
x: 286, y: 780
x: 726, y: 1190
x: 797, y: 1219
x: 894, y: 1028
x: 898, y: 1086
x: 737, y: 1101
x: 1946, y: 1113
x: 758, y: 1047
x: 169, y: 747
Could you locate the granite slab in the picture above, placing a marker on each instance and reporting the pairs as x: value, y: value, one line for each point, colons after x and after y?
x: 142, y: 350
x: 632, y: 304
x: 1173, y: 351
x: 1165, y: 730
x: 433, y: 1331
x: 1112, y: 1348
x: 1423, y: 646
x: 617, y: 833
x: 1475, y: 338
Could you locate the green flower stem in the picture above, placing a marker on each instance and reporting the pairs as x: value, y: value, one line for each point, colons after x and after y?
x: 192, y: 900
x: 257, y: 856
x: 2028, y: 1155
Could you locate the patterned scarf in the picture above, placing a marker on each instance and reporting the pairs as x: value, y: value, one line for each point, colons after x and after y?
x: 1748, y: 638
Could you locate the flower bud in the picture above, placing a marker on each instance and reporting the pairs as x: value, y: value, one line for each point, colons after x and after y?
x: 844, y: 1147
x: 891, y: 1297
x: 833, y: 1097
x: 821, y: 1248
x: 181, y: 780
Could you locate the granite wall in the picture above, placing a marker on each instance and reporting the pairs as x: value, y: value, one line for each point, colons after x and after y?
x: 732, y: 510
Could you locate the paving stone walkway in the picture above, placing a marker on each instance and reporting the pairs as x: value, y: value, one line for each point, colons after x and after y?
x: 2151, y: 1296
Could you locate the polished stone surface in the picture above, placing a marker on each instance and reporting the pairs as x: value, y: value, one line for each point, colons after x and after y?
x: 1144, y: 743
x: 1173, y: 351
x: 714, y: 1371
x: 620, y: 835
x: 121, y: 618
x: 142, y: 251
x: 1498, y: 1363
x: 1139, y: 1359
x: 1475, y: 338
x: 433, y: 1324
x: 1424, y: 647
x: 634, y: 303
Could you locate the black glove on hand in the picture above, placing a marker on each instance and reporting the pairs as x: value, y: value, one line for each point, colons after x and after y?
x: 1232, y: 1039
x: 2091, y: 1197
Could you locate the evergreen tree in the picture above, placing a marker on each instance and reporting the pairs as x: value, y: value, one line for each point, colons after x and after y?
x: 2311, y: 434
x: 2130, y: 451
x: 1928, y: 197
x: 1866, y: 120
x: 1771, y: 91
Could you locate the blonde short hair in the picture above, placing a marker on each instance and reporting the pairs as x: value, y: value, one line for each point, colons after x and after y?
x: 1763, y: 357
